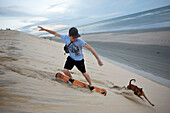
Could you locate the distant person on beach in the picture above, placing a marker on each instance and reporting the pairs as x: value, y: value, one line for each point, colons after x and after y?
x: 75, y: 45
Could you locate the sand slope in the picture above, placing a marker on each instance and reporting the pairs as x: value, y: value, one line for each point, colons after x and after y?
x: 27, y: 84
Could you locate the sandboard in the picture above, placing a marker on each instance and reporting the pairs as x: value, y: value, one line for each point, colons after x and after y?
x: 81, y: 84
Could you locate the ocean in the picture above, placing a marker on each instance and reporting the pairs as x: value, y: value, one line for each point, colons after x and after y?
x: 155, y: 18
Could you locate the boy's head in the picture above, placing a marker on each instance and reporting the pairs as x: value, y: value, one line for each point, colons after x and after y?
x: 74, y: 32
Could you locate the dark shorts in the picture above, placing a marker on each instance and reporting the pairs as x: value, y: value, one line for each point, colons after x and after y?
x: 79, y: 64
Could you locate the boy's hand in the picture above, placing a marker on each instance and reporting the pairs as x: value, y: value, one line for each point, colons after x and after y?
x: 49, y: 31
x: 100, y: 62
x: 41, y: 28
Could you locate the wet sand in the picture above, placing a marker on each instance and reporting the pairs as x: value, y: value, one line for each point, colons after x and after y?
x: 151, y: 59
x: 27, y: 84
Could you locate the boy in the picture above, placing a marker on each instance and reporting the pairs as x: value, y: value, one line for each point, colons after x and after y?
x: 75, y: 57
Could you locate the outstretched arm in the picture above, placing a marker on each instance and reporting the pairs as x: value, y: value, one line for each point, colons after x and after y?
x: 52, y: 32
x: 94, y: 53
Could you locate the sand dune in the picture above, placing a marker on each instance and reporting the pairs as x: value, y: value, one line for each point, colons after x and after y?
x: 27, y: 68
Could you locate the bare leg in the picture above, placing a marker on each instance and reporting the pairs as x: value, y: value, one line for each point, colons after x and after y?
x: 66, y: 72
x: 87, y: 78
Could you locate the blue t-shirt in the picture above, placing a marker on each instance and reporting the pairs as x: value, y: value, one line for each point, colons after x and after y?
x: 75, y: 48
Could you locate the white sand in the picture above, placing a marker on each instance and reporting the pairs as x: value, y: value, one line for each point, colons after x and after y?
x: 27, y: 68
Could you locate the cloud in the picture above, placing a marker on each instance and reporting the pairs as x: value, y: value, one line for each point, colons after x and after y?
x: 54, y: 26
x: 60, y: 10
x: 34, y: 29
x: 106, y: 15
x: 56, y: 5
x: 61, y: 7
x: 34, y: 19
x: 13, y: 13
x: 12, y: 23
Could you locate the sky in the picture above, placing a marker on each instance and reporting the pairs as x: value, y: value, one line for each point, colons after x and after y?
x: 26, y: 15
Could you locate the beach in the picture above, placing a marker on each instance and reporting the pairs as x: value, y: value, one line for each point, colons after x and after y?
x: 28, y: 65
